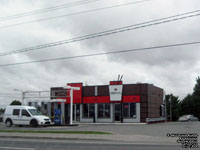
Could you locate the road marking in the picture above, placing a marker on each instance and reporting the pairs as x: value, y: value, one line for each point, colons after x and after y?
x: 17, y: 148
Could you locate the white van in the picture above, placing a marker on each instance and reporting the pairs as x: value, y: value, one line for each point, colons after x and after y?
x: 24, y: 115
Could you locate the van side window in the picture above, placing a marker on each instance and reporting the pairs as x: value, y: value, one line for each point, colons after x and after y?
x: 25, y: 113
x: 16, y: 112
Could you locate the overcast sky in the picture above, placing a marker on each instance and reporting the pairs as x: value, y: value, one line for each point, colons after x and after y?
x: 173, y: 69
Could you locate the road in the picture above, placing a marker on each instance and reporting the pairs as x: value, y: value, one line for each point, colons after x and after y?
x: 126, y: 129
x: 25, y: 144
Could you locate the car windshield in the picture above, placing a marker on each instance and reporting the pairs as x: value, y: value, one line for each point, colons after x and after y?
x: 34, y: 112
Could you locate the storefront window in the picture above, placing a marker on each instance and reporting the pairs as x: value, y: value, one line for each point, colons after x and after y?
x: 126, y: 110
x: 104, y: 110
x: 85, y: 110
x: 91, y: 110
x: 88, y: 110
x: 100, y: 110
x: 132, y: 110
x: 129, y: 110
x: 107, y: 110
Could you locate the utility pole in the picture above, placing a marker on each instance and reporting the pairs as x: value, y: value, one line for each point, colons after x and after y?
x: 165, y: 106
x: 23, y: 95
x: 170, y: 108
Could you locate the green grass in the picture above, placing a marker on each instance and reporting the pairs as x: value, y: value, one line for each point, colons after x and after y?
x: 55, y: 132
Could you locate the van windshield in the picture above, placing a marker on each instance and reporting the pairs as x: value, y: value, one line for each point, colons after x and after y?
x: 34, y: 112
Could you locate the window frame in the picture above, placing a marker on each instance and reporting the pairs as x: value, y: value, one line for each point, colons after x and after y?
x: 28, y: 115
x: 129, y: 111
x: 14, y: 112
x: 103, y: 111
x: 88, y: 105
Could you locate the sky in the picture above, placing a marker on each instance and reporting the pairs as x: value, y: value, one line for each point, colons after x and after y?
x: 174, y: 69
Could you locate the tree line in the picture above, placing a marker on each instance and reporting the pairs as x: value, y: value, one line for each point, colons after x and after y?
x: 188, y: 105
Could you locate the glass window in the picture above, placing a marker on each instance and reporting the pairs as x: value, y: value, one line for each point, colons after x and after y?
x: 85, y: 110
x: 16, y: 112
x: 126, y: 110
x: 34, y: 112
x: 129, y: 110
x: 107, y: 110
x: 104, y: 110
x: 88, y: 110
x: 132, y: 110
x: 100, y: 110
x: 91, y: 110
x: 25, y: 113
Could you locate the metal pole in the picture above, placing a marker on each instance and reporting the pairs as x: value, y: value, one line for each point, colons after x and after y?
x: 170, y: 109
x: 71, y: 106
x: 23, y: 95
x: 165, y: 108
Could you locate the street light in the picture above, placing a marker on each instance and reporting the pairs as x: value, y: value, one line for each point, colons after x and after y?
x: 23, y: 95
x: 71, y: 100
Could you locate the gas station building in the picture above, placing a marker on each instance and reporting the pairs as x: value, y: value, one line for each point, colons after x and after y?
x: 115, y: 102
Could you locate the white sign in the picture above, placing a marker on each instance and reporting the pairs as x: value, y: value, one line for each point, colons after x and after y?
x: 115, y: 92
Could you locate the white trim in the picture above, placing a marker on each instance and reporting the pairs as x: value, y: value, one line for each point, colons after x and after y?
x: 57, y: 100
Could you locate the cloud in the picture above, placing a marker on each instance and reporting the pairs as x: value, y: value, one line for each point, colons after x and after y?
x: 173, y: 69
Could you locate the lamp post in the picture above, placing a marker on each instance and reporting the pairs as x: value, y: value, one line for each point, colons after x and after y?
x: 71, y: 101
x: 23, y: 95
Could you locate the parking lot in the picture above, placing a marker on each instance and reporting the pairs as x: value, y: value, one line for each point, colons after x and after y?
x: 159, y: 129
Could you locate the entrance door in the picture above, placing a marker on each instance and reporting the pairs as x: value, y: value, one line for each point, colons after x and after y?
x: 117, y: 112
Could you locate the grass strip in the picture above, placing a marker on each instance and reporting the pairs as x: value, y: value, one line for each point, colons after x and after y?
x: 55, y: 132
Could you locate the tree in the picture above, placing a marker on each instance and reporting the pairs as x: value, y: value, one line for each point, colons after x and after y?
x: 191, y: 103
x: 174, y: 100
x: 196, y: 89
x: 15, y: 102
x: 186, y: 105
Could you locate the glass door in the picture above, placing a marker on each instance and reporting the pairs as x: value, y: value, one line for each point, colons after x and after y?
x: 117, y: 112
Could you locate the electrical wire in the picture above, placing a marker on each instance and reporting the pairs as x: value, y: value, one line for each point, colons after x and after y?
x: 10, y: 96
x: 72, y: 14
x: 105, y: 53
x: 19, y: 15
x: 108, y: 32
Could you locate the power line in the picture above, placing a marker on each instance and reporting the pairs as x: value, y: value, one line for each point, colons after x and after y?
x: 72, y: 14
x: 105, y: 53
x: 108, y: 32
x: 10, y: 96
x: 19, y: 15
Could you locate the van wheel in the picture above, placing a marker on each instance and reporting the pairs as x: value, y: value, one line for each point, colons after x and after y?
x: 8, y: 123
x: 34, y: 123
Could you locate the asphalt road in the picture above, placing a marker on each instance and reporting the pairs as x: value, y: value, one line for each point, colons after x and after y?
x: 126, y: 129
x: 23, y: 144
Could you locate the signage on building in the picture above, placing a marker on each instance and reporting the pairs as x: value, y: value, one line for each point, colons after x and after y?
x: 115, y: 92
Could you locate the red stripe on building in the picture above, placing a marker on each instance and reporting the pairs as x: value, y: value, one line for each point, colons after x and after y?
x: 97, y: 99
x: 131, y: 99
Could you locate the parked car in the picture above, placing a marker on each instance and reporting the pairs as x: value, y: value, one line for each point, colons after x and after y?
x: 188, y: 118
x: 24, y: 115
